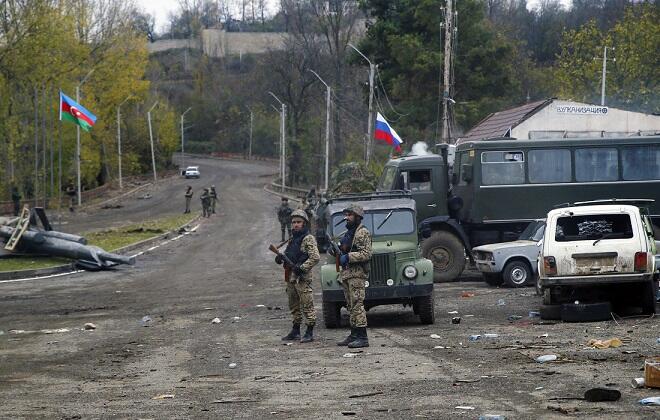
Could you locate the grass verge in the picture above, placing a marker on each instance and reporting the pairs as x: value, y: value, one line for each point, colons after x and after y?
x: 109, y: 239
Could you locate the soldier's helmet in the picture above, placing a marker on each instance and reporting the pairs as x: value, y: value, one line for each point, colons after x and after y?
x: 213, y: 187
x: 355, y: 209
x: 206, y: 189
x: 301, y: 214
x: 285, y: 200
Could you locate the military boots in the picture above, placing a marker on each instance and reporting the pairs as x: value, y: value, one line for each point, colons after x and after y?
x: 361, y: 340
x: 346, y: 341
x: 309, y: 335
x: 294, y: 334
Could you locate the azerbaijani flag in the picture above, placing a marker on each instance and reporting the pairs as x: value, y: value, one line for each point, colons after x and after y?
x: 70, y: 110
x: 386, y: 133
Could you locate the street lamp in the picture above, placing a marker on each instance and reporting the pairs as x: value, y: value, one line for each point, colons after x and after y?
x: 121, y: 185
x: 183, y: 154
x: 328, y: 93
x: 282, y: 139
x: 151, y: 138
x: 372, y: 72
x: 84, y: 79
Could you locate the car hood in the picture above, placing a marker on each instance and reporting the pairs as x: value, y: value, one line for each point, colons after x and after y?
x: 383, y: 247
x: 504, y: 245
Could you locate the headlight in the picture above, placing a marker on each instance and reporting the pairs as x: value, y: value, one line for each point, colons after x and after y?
x: 410, y: 272
x: 484, y: 256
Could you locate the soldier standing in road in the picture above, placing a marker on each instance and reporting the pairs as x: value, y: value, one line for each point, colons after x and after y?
x: 16, y: 199
x: 206, y: 203
x: 284, y: 216
x: 189, y: 196
x: 214, y: 198
x: 71, y: 192
x: 304, y: 254
x: 355, y: 247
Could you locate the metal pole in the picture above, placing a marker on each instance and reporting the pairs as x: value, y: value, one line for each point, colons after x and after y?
x: 602, y: 88
x: 36, y: 146
x: 279, y: 112
x: 372, y: 72
x: 151, y: 140
x: 121, y: 184
x: 78, y: 138
x: 447, y: 66
x: 328, y: 95
x: 283, y: 146
x: 250, y: 144
x: 183, y: 155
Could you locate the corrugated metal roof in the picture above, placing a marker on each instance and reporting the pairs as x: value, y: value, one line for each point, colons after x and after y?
x: 499, y: 123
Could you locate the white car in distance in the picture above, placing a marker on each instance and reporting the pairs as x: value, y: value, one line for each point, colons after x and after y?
x: 192, y: 172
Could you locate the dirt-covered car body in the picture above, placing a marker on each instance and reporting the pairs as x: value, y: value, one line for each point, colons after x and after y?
x: 398, y: 274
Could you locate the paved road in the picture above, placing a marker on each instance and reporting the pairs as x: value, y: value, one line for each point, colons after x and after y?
x: 224, y: 270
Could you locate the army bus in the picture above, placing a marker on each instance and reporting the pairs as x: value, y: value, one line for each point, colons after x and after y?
x: 496, y: 187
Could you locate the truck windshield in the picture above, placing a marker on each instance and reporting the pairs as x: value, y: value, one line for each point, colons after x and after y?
x: 533, y: 231
x: 386, y: 182
x: 593, y: 226
x: 399, y: 222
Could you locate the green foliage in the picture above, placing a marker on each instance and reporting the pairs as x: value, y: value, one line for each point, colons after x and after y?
x: 352, y: 177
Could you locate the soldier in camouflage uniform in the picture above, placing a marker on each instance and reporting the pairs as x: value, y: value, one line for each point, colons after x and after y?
x: 206, y: 203
x: 304, y: 254
x: 214, y: 198
x: 189, y: 196
x: 284, y: 216
x: 355, y: 247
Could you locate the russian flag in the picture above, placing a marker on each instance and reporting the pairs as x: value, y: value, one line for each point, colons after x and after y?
x: 386, y: 133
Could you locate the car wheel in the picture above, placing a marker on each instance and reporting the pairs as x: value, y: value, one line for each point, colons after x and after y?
x: 586, y: 312
x: 517, y: 274
x: 331, y: 314
x: 493, y: 279
x: 550, y: 312
x: 649, y: 297
x: 426, y: 309
x: 447, y: 253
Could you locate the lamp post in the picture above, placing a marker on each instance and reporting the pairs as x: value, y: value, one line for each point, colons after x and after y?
x: 283, y: 139
x: 121, y: 185
x: 151, y: 138
x: 328, y: 93
x: 78, y: 138
x: 372, y: 72
x: 183, y: 154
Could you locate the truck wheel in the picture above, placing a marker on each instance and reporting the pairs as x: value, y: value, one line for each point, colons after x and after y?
x: 426, y: 309
x: 552, y: 312
x: 447, y: 253
x: 331, y: 314
x: 517, y: 274
x: 586, y: 312
x: 493, y: 279
x: 649, y: 297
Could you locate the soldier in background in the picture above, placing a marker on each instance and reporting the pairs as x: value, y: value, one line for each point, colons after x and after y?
x: 284, y: 216
x: 206, y: 203
x: 189, y: 196
x: 16, y: 199
x: 355, y: 247
x: 71, y: 192
x: 304, y: 254
x: 214, y: 198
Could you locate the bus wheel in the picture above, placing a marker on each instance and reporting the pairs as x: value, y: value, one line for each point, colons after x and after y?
x: 447, y: 253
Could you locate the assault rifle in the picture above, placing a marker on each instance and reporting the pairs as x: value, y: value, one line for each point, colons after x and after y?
x: 288, y: 265
x: 335, y: 250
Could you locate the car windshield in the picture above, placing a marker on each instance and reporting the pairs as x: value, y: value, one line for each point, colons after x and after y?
x: 533, y: 231
x: 593, y: 226
x: 380, y: 222
x: 386, y: 181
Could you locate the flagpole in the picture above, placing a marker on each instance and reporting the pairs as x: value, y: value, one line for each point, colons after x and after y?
x: 151, y: 139
x: 78, y: 137
x: 328, y: 93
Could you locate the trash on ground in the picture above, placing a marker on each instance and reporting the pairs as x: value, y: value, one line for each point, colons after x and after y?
x: 542, y: 336
x: 260, y: 306
x: 546, y: 358
x: 602, y: 394
x: 467, y: 294
x: 467, y: 381
x: 147, y: 196
x: 652, y: 372
x: 501, y: 302
x: 441, y: 347
x: 637, y: 382
x: 464, y: 407
x: 491, y: 335
x: 492, y: 417
x: 514, y: 317
x: 650, y: 401
x: 534, y: 314
x: 453, y: 312
x: 55, y: 331
x: 538, y: 388
x: 216, y: 321
x: 605, y: 344
x: 90, y: 326
x: 146, y: 320
x: 435, y: 336
x: 349, y: 355
x: 474, y: 337
x: 348, y: 413
x: 369, y: 394
x: 232, y: 365
x: 236, y: 318
x: 287, y: 344
x: 163, y: 397
x: 456, y: 320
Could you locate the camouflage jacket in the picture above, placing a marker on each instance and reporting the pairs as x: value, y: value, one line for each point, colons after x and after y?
x: 359, y: 255
x: 213, y: 193
x: 205, y: 197
x: 284, y: 214
x: 189, y: 194
x: 309, y: 247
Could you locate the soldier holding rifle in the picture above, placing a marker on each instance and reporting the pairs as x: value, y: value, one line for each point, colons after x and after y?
x: 299, y: 257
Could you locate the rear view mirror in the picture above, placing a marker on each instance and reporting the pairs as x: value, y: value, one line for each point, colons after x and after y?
x: 466, y: 172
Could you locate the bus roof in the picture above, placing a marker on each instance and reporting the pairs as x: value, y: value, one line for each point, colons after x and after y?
x: 597, y: 141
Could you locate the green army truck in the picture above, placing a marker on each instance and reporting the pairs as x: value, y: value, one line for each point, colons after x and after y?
x: 398, y: 274
x: 496, y: 187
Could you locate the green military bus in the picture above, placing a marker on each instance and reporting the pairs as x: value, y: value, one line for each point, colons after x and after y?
x: 498, y: 186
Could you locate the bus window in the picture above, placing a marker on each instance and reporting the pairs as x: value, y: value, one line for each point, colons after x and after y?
x: 550, y: 165
x: 502, y: 168
x: 420, y: 180
x: 596, y: 164
x: 640, y: 162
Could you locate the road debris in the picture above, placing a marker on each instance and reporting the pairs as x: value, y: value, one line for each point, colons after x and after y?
x: 216, y: 321
x: 474, y: 337
x: 637, y: 382
x: 90, y: 326
x: 453, y: 312
x: 232, y: 365
x: 456, y: 320
x: 369, y: 394
x: 234, y: 401
x: 349, y: 355
x: 514, y: 317
x: 236, y: 318
x: 534, y: 314
x: 501, y: 302
x: 260, y: 306
x: 436, y: 336
x: 163, y: 397
x: 464, y: 407
x: 492, y: 417
x: 605, y: 344
x: 542, y: 336
x: 146, y: 320
x: 467, y: 294
x: 650, y: 401
x: 602, y: 394
x: 546, y: 358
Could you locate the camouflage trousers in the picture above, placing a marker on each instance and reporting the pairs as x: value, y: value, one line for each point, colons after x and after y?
x: 354, y: 295
x: 301, y: 302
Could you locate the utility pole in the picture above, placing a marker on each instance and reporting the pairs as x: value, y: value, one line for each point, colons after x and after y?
x: 328, y: 94
x: 183, y: 154
x: 78, y: 139
x: 251, y: 124
x: 447, y: 72
x: 121, y: 185
x: 283, y: 140
x: 372, y: 75
x: 151, y: 139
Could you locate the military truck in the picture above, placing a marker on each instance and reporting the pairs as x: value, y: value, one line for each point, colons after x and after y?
x: 398, y: 274
x: 498, y: 186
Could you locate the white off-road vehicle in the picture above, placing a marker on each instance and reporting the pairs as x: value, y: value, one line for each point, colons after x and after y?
x: 600, y: 254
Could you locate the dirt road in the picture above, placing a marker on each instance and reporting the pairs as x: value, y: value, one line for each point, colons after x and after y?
x: 51, y: 367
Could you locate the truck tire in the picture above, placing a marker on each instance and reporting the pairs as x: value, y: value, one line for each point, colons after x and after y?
x: 586, y: 312
x: 517, y: 274
x: 331, y: 314
x: 649, y: 297
x: 493, y: 279
x: 447, y: 253
x: 550, y: 312
x: 426, y: 309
